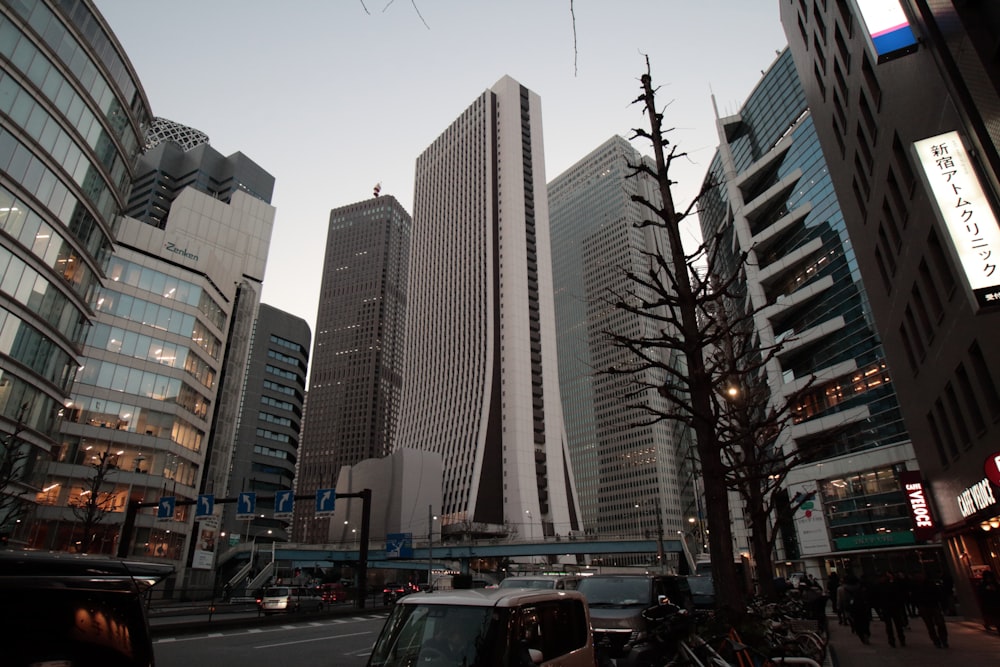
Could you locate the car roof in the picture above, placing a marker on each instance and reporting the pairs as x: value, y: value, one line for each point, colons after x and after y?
x: 54, y: 569
x: 487, y: 597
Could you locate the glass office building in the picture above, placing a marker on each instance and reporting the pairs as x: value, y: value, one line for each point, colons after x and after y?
x: 72, y: 117
x: 774, y: 199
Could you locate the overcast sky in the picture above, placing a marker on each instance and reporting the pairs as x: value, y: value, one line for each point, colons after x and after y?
x: 334, y: 96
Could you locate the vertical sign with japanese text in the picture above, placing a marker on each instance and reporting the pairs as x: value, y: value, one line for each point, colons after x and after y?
x: 965, y: 212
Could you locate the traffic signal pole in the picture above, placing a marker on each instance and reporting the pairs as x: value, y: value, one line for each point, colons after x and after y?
x: 132, y: 510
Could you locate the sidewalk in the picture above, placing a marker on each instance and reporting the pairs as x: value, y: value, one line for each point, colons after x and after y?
x: 969, y: 644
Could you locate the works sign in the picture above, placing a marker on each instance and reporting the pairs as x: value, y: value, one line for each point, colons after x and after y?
x: 924, y: 525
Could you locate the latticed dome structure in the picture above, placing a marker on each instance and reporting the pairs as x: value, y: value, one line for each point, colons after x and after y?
x: 162, y: 130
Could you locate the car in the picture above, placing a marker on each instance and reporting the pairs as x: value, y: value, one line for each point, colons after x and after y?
x: 702, y: 591
x: 486, y: 628
x: 332, y: 593
x: 392, y: 591
x: 76, y: 609
x: 557, y: 582
x: 288, y: 599
x: 617, y: 603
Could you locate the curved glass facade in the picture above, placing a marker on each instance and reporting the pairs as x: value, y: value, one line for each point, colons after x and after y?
x: 71, y: 118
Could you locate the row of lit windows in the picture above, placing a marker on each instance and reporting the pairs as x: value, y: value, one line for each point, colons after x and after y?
x: 167, y: 287
x: 140, y: 346
x: 40, y: 296
x: 30, y: 347
x: 47, y: 244
x: 138, y: 382
x: 159, y: 316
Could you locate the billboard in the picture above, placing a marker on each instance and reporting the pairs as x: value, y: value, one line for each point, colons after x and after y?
x: 887, y: 28
x: 965, y: 212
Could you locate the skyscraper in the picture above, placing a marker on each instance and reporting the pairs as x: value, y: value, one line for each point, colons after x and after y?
x: 267, y: 439
x: 74, y: 116
x: 626, y: 475
x: 773, y: 199
x: 905, y: 99
x: 356, y: 373
x: 481, y: 383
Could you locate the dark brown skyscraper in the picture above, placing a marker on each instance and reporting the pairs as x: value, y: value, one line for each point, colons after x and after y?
x: 356, y: 370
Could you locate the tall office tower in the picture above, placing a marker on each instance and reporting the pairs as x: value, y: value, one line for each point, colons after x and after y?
x: 157, y: 399
x: 775, y: 201
x: 267, y: 444
x: 72, y: 116
x: 481, y: 383
x: 356, y: 375
x: 626, y: 476
x: 905, y: 102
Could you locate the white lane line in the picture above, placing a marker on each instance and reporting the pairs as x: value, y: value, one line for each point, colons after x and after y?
x: 315, y: 639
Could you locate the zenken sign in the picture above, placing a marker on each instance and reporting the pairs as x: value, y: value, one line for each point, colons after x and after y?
x: 924, y: 526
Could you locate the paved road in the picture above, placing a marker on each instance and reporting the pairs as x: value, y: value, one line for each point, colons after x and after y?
x: 343, y: 641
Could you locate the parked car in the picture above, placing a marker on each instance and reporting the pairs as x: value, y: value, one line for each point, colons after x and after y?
x: 75, y: 609
x: 281, y: 599
x: 332, y: 593
x: 486, y: 628
x: 616, y: 604
x: 557, y: 582
x: 702, y: 591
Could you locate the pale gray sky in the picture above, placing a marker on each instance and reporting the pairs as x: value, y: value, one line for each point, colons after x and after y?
x: 331, y: 99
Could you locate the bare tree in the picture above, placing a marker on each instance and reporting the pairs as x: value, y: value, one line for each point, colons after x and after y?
x: 13, y: 456
x: 94, y: 503
x: 719, y: 390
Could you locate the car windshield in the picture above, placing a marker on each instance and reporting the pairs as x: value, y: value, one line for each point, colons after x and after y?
x: 701, y: 585
x: 276, y: 592
x: 614, y: 591
x: 514, y: 582
x: 442, y: 636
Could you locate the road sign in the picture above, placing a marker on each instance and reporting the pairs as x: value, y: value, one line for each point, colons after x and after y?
x: 166, y: 508
x: 246, y: 505
x: 205, y: 506
x: 399, y: 545
x: 284, y: 501
x: 325, y: 499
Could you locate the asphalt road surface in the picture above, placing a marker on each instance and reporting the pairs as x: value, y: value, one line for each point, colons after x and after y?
x: 327, y: 642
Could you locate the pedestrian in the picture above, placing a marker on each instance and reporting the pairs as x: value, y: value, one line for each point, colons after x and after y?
x: 906, y: 585
x: 988, y: 592
x: 860, y: 608
x: 890, y: 602
x: 928, y: 596
x: 832, y: 584
x: 843, y: 596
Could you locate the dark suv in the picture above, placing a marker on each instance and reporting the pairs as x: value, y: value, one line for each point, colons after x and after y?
x: 616, y: 604
x: 68, y: 609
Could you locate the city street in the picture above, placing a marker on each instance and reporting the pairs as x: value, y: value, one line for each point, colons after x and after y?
x: 345, y: 642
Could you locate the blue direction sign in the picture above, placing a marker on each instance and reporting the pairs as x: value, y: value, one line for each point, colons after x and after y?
x: 166, y: 508
x: 399, y: 545
x: 325, y: 499
x: 205, y: 506
x: 284, y: 502
x: 246, y: 505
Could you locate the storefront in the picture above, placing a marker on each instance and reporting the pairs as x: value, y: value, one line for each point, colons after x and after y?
x: 973, y: 545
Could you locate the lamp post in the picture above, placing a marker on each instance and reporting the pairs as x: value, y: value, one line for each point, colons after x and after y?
x: 430, y: 548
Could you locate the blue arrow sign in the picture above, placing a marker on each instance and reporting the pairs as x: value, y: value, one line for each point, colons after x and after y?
x: 399, y: 545
x: 205, y: 506
x: 166, y: 508
x: 246, y: 505
x: 325, y: 499
x: 284, y: 502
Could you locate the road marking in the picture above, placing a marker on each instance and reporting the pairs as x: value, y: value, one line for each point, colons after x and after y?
x: 315, y: 639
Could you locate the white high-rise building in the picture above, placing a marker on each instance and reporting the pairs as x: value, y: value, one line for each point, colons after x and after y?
x: 481, y: 385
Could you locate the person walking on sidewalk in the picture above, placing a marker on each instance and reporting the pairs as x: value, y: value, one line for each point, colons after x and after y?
x: 890, y: 601
x: 988, y: 591
x: 832, y: 584
x: 859, y: 608
x: 928, y: 595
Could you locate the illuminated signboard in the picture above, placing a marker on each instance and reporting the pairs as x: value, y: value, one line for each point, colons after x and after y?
x: 924, y: 526
x: 888, y: 29
x: 965, y: 212
x: 976, y: 498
